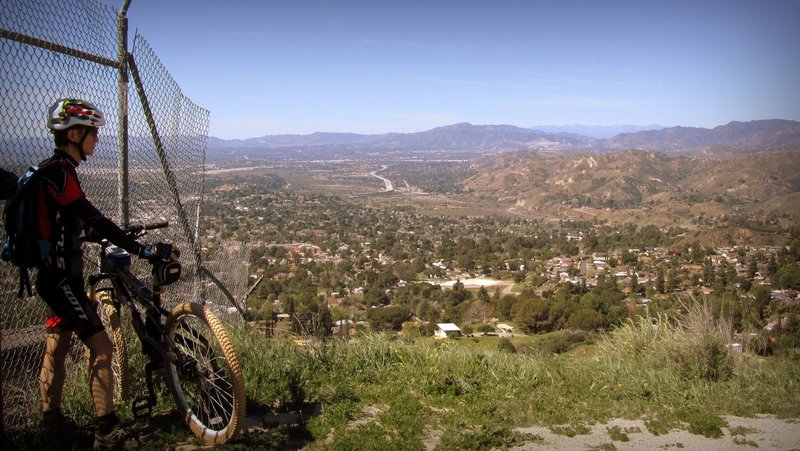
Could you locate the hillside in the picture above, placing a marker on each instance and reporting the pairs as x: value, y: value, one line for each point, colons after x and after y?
x: 645, y: 186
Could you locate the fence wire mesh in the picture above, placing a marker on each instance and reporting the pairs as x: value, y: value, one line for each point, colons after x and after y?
x: 45, y: 58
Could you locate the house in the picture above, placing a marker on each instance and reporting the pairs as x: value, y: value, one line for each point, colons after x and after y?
x: 505, y: 328
x: 599, y: 256
x: 342, y: 326
x: 445, y: 330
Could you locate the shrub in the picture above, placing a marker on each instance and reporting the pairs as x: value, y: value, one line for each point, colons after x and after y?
x: 587, y: 319
x: 505, y: 345
x: 701, y: 348
x: 693, y: 345
x: 563, y: 341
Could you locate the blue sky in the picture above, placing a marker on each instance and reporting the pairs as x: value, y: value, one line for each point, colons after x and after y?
x: 299, y: 66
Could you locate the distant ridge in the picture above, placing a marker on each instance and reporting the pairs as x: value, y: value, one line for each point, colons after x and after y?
x: 469, y: 139
x: 596, y: 131
x: 463, y: 137
x: 736, y: 136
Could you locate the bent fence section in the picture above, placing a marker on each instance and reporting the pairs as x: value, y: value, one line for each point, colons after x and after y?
x: 148, y: 164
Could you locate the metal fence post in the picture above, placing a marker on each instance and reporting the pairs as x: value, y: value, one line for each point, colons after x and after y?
x: 122, y: 49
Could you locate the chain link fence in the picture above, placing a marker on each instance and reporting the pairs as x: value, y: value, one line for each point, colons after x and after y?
x: 148, y: 164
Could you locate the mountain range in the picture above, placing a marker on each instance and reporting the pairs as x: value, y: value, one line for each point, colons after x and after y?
x: 468, y: 140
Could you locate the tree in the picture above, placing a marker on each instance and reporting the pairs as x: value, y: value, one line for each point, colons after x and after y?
x: 375, y: 295
x: 761, y: 296
x: 501, y: 306
x: 788, y: 276
x: 708, y: 273
x: 388, y: 318
x: 458, y: 294
x: 772, y: 266
x: 386, y: 278
x: 312, y: 317
x: 672, y: 281
x: 661, y: 283
x: 616, y: 314
x: 752, y: 268
x: 426, y: 312
x: 587, y: 319
x: 633, y: 282
x: 533, y: 315
x: 483, y: 295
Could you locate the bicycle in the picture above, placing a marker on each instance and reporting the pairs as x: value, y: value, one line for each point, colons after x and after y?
x: 189, y: 344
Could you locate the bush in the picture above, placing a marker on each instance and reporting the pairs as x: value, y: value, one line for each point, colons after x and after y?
x: 505, y: 345
x: 789, y: 335
x: 561, y: 342
x: 701, y: 350
x: 587, y: 319
x: 388, y: 318
x: 694, y: 345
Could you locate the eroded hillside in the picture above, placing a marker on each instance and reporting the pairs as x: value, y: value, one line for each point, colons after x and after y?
x: 647, y: 187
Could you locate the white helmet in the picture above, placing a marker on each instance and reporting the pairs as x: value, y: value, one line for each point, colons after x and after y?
x: 66, y: 113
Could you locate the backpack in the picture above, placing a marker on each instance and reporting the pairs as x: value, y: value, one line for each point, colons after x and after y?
x: 28, y: 225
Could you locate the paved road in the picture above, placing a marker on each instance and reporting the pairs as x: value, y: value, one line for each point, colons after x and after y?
x: 387, y: 184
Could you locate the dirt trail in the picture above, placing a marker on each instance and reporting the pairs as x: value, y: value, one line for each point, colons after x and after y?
x: 762, y: 433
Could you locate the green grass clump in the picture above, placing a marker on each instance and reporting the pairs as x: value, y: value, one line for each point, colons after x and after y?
x: 674, y: 373
x: 570, y: 430
x: 617, y: 434
x: 488, y: 438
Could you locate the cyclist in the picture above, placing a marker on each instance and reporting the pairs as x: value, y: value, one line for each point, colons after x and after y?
x: 60, y: 282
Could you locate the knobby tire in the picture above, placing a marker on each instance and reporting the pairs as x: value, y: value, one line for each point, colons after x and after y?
x: 119, y: 361
x: 208, y: 382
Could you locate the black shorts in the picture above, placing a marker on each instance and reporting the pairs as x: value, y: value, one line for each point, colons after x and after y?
x: 66, y: 296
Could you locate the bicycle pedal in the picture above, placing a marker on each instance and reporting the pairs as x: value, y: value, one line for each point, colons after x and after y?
x: 142, y: 407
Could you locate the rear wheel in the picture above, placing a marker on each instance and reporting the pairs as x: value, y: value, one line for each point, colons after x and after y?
x: 206, y: 379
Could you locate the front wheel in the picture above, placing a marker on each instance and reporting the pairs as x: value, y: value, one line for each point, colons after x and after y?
x: 205, y: 378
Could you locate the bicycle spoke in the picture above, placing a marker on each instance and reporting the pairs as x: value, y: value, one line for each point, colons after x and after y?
x: 212, y: 396
x: 205, y: 377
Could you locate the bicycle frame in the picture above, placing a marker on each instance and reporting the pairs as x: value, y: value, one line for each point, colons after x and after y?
x: 130, y: 290
x: 188, y: 343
